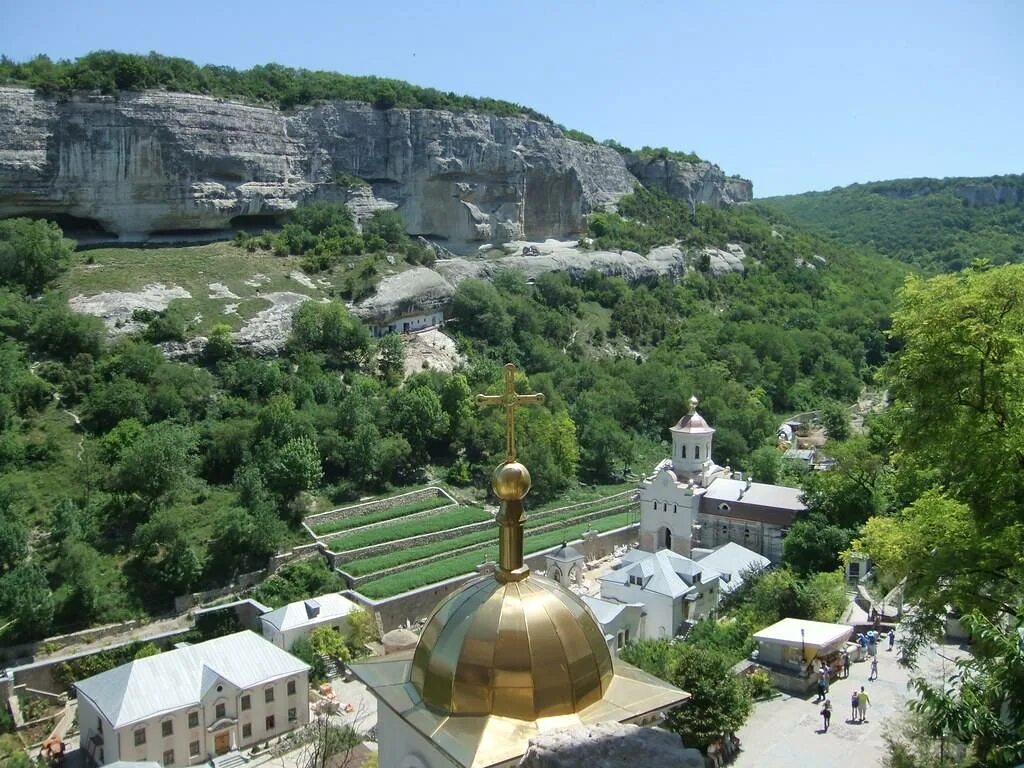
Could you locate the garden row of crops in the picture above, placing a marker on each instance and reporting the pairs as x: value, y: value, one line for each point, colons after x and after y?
x: 389, y: 513
x: 442, y: 521
x: 459, y: 564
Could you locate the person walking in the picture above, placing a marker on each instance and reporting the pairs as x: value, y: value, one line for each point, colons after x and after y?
x: 826, y: 713
x: 853, y: 706
x: 863, y: 702
x: 874, y: 669
x: 846, y: 664
x: 826, y: 672
x: 892, y: 638
x: 821, y: 688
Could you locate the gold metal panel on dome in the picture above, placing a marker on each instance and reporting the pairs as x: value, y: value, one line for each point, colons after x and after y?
x: 521, y: 649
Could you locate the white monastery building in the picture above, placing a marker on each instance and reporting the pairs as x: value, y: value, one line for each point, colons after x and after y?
x: 183, y: 707
x: 296, y: 620
x: 690, y: 501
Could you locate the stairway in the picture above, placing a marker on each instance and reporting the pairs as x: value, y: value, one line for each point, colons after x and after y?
x: 229, y: 760
x: 334, y: 669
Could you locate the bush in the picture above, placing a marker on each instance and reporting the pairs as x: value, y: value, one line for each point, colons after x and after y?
x: 760, y: 681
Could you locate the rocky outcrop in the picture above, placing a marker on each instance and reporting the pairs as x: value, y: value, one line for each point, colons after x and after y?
x: 609, y: 745
x: 554, y: 256
x: 139, y: 164
x: 415, y: 291
x: 690, y: 182
x: 986, y: 194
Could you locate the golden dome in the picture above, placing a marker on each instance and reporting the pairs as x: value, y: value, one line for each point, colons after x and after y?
x: 522, y: 649
x: 511, y: 481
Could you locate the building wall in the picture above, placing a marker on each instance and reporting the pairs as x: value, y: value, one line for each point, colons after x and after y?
x: 90, y: 722
x: 763, y: 538
x: 408, y: 324
x: 404, y: 747
x: 663, y: 616
x: 287, y: 638
x: 663, y: 505
x: 182, y: 735
x: 624, y: 628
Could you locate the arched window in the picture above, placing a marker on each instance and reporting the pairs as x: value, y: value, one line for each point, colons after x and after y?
x: 696, y: 451
x: 683, y: 454
x: 668, y: 539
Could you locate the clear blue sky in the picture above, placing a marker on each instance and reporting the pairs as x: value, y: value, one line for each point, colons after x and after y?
x: 796, y: 95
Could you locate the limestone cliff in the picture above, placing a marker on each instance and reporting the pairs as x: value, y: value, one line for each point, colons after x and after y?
x: 138, y: 165
x: 142, y: 163
x: 691, y: 182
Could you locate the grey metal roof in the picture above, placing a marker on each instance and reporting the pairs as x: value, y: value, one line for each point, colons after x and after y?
x: 663, y: 572
x: 175, y: 679
x: 605, y: 611
x: 565, y: 554
x: 759, y: 494
x: 732, y: 559
x: 298, y: 614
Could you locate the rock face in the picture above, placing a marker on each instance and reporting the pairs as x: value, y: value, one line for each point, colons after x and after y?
x: 988, y: 194
x: 417, y: 290
x: 136, y: 164
x: 554, y: 256
x: 691, y: 182
x: 609, y: 745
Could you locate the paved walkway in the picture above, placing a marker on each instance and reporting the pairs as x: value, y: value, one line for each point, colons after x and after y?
x: 785, y: 732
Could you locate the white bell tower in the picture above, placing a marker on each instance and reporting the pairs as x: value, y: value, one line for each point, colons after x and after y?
x: 691, y: 444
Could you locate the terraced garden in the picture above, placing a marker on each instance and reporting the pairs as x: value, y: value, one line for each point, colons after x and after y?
x: 439, y: 543
x: 389, y: 513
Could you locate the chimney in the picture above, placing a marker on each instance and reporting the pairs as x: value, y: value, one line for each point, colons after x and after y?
x: 312, y: 609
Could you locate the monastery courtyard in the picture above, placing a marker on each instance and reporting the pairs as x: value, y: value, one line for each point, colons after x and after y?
x: 787, y: 731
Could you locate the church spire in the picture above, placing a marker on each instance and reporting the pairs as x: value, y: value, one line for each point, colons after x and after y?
x: 693, y: 404
x: 511, y: 482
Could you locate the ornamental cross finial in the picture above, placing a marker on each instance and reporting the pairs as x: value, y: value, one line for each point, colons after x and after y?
x: 510, y: 400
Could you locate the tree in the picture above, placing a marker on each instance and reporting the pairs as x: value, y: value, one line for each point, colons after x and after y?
x: 813, y: 544
x: 858, y: 485
x: 81, y: 566
x: 721, y: 701
x: 26, y: 598
x: 391, y: 358
x: 156, y: 464
x: 302, y: 649
x: 329, y: 642
x: 956, y: 387
x: 362, y: 629
x: 32, y: 252
x: 166, y: 562
x: 836, y: 420
x: 245, y: 540
x: 293, y: 468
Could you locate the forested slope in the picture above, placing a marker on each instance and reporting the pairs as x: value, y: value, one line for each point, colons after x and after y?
x: 937, y: 224
x: 184, y: 473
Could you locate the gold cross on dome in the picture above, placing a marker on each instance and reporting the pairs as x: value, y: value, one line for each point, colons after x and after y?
x: 510, y: 400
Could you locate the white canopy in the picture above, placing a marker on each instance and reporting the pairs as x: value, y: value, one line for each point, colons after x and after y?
x: 817, y: 634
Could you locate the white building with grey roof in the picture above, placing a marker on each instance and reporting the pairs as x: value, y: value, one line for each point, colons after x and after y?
x: 690, y: 501
x: 185, y: 706
x: 296, y: 620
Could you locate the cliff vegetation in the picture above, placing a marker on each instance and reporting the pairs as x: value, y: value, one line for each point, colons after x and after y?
x: 937, y: 224
x: 112, y: 71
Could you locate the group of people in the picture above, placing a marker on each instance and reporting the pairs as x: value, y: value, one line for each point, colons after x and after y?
x: 859, y: 703
x: 723, y: 750
x: 859, y: 700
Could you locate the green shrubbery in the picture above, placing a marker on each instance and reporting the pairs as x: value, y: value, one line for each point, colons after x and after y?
x: 111, y: 71
x: 439, y: 521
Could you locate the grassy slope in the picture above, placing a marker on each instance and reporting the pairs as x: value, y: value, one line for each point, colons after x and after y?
x: 919, y: 221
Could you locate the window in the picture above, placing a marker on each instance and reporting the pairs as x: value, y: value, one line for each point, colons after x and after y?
x: 268, y: 695
x: 618, y: 641
x: 675, y: 508
x: 193, y: 748
x: 627, y: 635
x: 140, y: 737
x: 292, y: 715
x: 683, y: 455
x: 193, y: 719
x: 168, y: 757
x: 696, y: 451
x: 246, y: 702
x: 291, y: 687
x: 220, y: 710
x: 167, y: 727
x: 247, y: 731
x: 270, y: 722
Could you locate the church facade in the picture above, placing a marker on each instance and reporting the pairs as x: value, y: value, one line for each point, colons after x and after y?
x: 691, y: 502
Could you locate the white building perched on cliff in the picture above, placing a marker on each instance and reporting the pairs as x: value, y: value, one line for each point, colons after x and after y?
x: 185, y: 706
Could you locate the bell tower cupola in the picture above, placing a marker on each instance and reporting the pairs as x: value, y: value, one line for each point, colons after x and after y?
x: 691, y: 444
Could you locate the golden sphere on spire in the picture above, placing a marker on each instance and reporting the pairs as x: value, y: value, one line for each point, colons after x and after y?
x: 693, y: 403
x: 511, y: 481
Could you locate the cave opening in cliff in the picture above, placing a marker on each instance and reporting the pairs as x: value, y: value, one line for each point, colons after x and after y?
x: 77, y: 226
x: 257, y: 222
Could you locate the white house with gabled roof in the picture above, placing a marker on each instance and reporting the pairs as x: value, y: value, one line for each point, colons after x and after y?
x: 184, y: 706
x: 287, y: 624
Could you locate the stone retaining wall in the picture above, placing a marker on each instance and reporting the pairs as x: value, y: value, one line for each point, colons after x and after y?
x: 411, y: 541
x: 343, y: 513
x: 416, y: 604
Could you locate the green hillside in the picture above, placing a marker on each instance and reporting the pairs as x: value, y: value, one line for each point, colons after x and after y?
x: 937, y: 224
